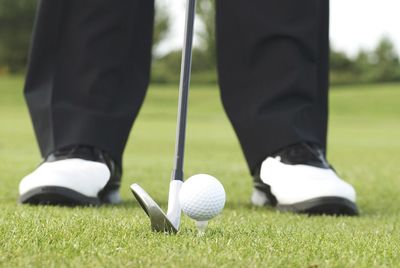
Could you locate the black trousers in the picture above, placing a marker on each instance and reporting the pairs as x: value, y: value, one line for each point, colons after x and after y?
x: 90, y: 63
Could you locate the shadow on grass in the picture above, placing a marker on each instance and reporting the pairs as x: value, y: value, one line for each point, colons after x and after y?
x: 132, y: 203
x: 366, y: 210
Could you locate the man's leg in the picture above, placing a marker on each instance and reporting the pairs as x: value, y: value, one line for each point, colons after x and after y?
x: 273, y: 74
x: 88, y: 74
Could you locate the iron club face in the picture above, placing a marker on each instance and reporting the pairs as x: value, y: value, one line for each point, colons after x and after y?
x: 158, y: 219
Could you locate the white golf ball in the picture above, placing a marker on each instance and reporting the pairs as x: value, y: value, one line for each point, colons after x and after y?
x: 202, y: 197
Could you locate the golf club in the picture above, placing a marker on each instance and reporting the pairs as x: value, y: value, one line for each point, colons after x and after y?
x: 170, y: 222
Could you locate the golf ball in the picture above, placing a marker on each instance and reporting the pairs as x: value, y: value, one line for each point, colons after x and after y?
x: 202, y: 197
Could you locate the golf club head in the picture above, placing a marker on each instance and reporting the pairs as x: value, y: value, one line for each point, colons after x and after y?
x: 158, y: 219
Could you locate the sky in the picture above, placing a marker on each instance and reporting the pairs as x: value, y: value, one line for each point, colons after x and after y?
x: 354, y: 24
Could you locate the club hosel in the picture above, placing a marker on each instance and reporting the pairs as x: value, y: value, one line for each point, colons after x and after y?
x: 174, y: 205
x: 177, y: 175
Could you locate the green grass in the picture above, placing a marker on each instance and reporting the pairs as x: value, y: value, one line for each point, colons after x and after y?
x: 364, y: 146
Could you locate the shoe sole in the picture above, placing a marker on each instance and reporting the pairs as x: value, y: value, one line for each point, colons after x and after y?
x: 323, y: 206
x: 53, y: 195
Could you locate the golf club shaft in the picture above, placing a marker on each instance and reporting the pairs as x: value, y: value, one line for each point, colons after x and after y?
x: 177, y: 173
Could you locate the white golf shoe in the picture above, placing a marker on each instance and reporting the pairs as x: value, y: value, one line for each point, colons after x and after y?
x: 299, y: 179
x: 79, y: 175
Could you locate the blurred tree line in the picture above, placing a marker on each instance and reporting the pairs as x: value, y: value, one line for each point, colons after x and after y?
x: 16, y: 20
x: 381, y: 64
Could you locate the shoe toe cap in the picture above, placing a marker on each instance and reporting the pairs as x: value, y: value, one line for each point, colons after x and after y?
x: 82, y: 176
x: 297, y: 183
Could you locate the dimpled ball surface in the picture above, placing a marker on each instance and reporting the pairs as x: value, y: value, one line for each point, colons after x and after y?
x: 202, y: 197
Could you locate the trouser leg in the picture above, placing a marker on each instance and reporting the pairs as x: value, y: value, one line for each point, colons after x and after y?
x: 88, y: 72
x: 273, y: 72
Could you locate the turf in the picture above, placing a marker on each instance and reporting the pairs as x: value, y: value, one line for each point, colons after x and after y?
x: 364, y: 146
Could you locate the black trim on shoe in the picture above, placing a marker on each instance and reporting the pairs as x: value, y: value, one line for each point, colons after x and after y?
x: 323, y: 206
x: 53, y: 195
x: 303, y: 154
